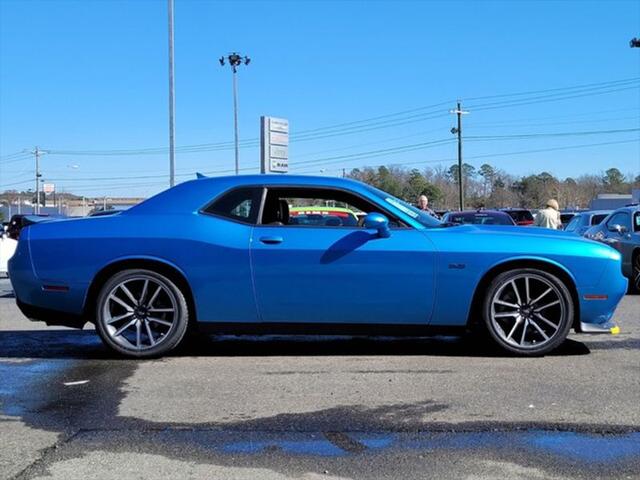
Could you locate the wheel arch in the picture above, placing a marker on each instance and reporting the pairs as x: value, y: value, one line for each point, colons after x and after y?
x: 522, y: 262
x: 157, y: 265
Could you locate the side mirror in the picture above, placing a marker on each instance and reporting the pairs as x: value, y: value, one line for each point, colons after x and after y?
x: 616, y: 227
x: 377, y: 221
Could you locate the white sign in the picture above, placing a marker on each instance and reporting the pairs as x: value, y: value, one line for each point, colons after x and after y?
x: 48, y: 188
x: 278, y: 151
x: 274, y: 145
x: 276, y: 138
x: 278, y: 125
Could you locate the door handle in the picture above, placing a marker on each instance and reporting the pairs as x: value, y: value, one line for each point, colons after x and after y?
x: 271, y: 240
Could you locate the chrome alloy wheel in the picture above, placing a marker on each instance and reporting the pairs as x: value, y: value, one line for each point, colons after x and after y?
x: 527, y: 311
x: 139, y: 312
x: 636, y: 272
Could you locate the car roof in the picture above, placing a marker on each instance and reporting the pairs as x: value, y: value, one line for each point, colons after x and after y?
x: 628, y: 208
x: 195, y: 194
x: 596, y: 212
x: 480, y: 212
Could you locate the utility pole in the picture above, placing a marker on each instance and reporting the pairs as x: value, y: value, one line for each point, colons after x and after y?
x: 459, y: 112
x: 37, y: 152
x: 235, y: 60
x: 172, y: 104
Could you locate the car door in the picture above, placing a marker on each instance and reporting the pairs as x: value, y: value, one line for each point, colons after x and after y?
x: 329, y: 273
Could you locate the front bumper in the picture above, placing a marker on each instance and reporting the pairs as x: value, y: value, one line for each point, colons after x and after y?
x: 607, y: 327
x: 598, y: 303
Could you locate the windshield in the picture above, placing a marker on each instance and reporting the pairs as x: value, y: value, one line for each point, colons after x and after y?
x: 406, y: 208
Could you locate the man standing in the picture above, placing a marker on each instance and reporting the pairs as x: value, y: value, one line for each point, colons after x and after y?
x: 423, y: 204
x: 549, y: 217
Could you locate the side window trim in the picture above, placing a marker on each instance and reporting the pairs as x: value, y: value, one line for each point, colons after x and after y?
x: 383, y: 210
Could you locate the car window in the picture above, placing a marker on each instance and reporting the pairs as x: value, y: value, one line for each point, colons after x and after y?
x: 317, y: 207
x: 521, y: 215
x: 636, y: 222
x: 566, y: 217
x: 597, y: 219
x: 573, y: 224
x: 240, y: 204
x: 620, y: 218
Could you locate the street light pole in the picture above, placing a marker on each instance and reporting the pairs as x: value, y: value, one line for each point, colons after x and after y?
x: 172, y: 103
x: 235, y: 60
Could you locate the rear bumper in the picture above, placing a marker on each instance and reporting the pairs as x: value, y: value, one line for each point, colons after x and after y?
x: 51, y: 317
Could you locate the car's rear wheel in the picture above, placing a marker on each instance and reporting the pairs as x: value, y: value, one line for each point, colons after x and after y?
x: 635, y: 272
x: 141, y: 313
x: 528, y: 311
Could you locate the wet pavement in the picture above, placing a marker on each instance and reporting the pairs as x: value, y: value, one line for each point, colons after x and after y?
x: 338, y: 407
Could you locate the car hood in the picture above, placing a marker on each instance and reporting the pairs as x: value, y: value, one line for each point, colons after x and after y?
x: 531, y: 236
x: 517, y: 231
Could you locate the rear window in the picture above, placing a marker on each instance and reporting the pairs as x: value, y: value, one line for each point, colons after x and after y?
x: 521, y: 215
x: 241, y: 205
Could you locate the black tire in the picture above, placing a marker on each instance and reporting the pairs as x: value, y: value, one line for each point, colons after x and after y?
x: 523, y: 323
x: 169, y: 293
x: 634, y: 281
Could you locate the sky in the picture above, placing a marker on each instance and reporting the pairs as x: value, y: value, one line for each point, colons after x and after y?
x: 549, y: 85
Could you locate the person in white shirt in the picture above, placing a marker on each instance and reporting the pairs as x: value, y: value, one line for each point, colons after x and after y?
x: 549, y: 217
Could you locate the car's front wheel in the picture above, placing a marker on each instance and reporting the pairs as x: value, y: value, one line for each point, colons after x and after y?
x: 528, y: 311
x: 141, y: 313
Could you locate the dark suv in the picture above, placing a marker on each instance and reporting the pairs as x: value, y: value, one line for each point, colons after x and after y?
x: 621, y: 230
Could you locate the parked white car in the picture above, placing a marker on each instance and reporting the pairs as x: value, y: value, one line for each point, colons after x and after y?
x: 7, y: 249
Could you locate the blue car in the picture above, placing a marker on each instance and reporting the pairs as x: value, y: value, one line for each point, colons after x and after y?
x: 583, y: 221
x: 222, y: 255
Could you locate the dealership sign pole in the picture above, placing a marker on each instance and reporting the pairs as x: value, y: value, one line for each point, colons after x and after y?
x: 274, y: 145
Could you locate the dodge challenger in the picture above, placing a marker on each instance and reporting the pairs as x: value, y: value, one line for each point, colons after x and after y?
x: 223, y: 255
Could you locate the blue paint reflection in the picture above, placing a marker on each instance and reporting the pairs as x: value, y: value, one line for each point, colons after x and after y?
x: 570, y: 446
x: 587, y: 448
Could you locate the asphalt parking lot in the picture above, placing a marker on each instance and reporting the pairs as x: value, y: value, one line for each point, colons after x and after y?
x: 330, y: 408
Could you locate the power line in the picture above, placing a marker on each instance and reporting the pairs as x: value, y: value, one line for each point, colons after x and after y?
x: 551, y: 134
x: 574, y: 87
x: 370, y: 153
x: 372, y: 123
x: 519, y: 152
x: 546, y: 124
x: 536, y: 100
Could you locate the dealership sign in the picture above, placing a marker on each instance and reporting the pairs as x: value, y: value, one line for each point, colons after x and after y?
x: 48, y: 188
x: 274, y: 145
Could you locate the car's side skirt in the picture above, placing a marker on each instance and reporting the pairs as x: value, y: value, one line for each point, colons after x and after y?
x: 328, y: 329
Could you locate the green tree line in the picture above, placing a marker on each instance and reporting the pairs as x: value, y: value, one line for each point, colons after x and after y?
x: 490, y: 187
